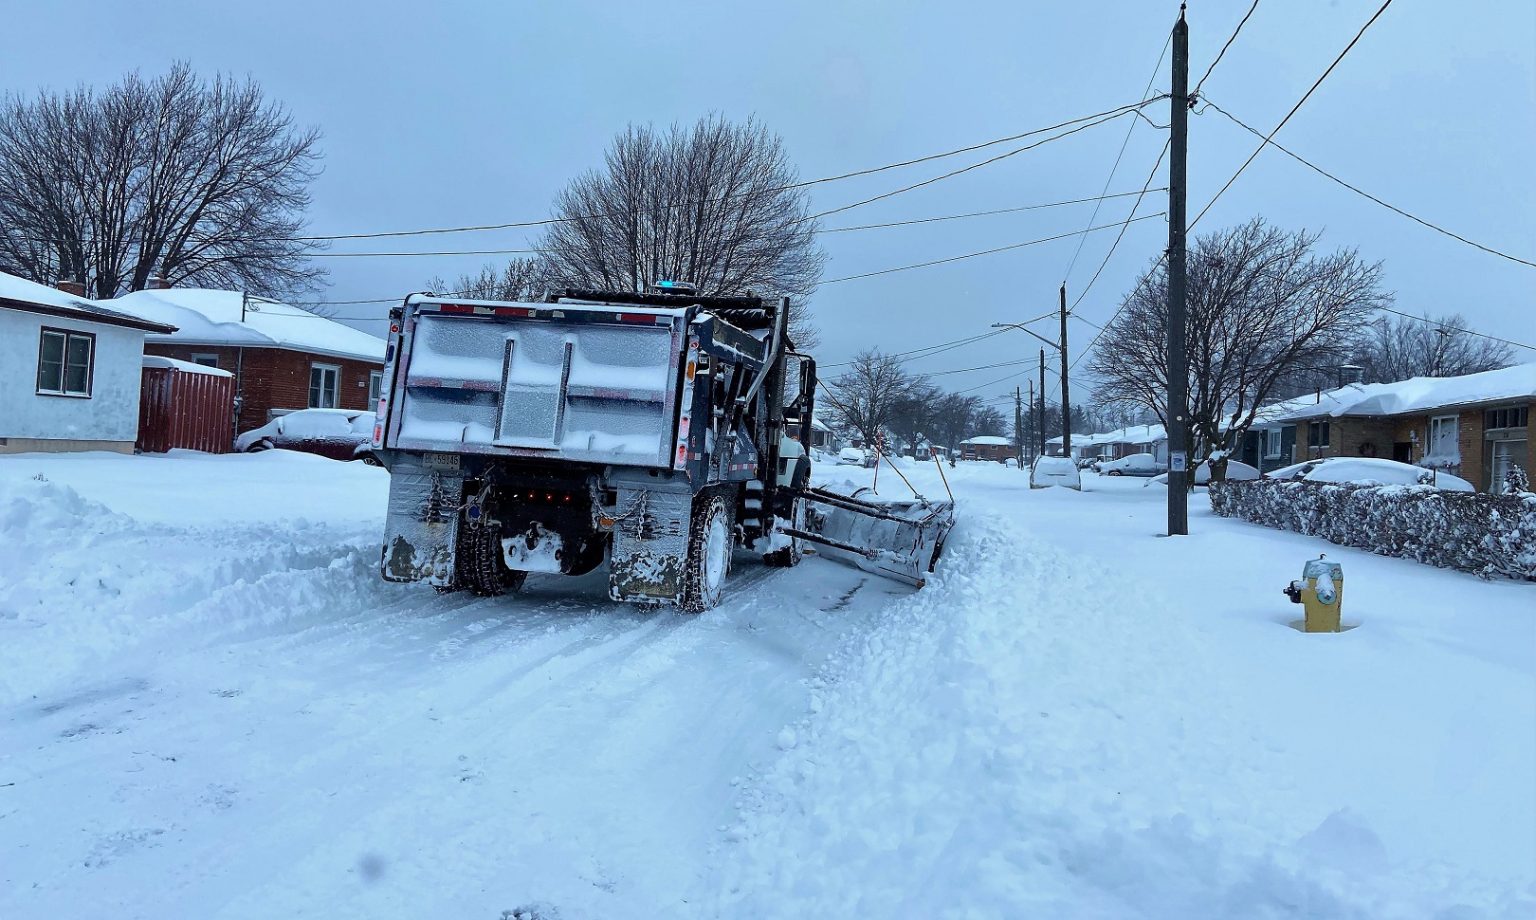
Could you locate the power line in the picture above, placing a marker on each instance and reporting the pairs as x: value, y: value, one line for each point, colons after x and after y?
x: 899, y: 223
x: 1432, y: 322
x: 1116, y: 244
x: 984, y: 252
x: 932, y: 349
x: 1104, y: 328
x: 1027, y: 207
x: 1118, y: 156
x: 1109, y: 116
x: 1367, y: 195
x: 1294, y: 109
x: 1230, y: 39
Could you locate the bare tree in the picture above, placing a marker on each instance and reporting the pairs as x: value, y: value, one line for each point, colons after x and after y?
x: 1399, y: 347
x: 914, y: 411
x: 201, y: 181
x: 1262, y: 305
x: 711, y: 204
x: 866, y: 396
x: 954, y: 418
x: 523, y: 279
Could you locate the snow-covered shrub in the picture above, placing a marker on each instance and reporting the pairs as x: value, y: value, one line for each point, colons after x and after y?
x: 1516, y: 481
x: 1489, y: 535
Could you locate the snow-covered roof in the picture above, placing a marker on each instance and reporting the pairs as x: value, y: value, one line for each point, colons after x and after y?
x: 208, y: 317
x: 184, y: 366
x: 20, y: 291
x: 1135, y: 434
x: 1418, y: 394
x: 987, y: 440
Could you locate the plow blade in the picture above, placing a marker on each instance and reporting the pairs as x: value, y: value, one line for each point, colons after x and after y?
x: 895, y: 539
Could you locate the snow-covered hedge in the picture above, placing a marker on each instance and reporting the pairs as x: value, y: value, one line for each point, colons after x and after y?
x: 1490, y: 535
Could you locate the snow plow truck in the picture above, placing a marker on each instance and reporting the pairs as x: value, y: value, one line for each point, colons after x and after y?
x: 656, y: 432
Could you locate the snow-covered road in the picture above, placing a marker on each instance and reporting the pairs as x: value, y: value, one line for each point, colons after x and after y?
x: 210, y: 706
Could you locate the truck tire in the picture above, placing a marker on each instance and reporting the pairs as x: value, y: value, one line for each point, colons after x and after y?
x: 479, y: 566
x: 789, y: 555
x: 709, y: 552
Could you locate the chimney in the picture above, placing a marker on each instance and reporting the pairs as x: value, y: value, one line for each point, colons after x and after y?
x: 71, y: 286
x: 157, y: 282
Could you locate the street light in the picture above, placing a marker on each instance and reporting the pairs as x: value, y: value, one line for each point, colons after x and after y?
x: 1061, y: 348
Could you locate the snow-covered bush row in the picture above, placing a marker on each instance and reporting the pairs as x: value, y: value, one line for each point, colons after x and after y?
x: 1489, y: 535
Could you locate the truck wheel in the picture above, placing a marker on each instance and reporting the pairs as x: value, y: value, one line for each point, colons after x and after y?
x: 479, y: 566
x: 789, y: 555
x: 709, y: 553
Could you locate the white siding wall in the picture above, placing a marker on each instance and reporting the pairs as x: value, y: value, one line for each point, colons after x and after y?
x: 112, y: 411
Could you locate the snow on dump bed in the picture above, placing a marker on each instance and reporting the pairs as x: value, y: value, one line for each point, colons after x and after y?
x: 209, y: 317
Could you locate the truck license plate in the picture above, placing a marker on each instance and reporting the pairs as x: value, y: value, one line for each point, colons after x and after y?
x: 443, y: 462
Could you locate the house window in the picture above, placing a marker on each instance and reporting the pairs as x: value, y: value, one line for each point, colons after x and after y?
x: 1442, y: 438
x: 65, y: 363
x: 1271, y: 443
x: 375, y: 384
x: 1510, y: 417
x: 206, y: 360
x: 1317, y: 434
x: 324, y: 384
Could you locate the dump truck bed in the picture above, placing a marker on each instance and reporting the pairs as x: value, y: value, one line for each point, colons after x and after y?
x: 581, y: 383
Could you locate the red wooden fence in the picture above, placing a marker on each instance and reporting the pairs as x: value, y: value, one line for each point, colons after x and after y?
x: 186, y: 409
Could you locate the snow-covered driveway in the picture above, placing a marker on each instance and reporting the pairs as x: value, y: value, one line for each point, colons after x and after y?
x: 210, y: 706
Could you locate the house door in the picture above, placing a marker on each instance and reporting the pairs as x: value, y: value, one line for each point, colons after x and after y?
x: 1503, y: 456
x: 1402, y: 451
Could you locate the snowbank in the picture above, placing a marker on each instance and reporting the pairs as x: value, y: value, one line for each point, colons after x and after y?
x: 1025, y: 738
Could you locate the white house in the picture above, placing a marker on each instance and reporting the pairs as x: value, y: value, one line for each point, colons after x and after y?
x: 70, y: 370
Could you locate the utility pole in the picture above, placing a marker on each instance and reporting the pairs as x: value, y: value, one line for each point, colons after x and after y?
x: 1178, y: 360
x: 1066, y: 404
x: 1030, y: 443
x: 1018, y: 423
x: 1042, y: 401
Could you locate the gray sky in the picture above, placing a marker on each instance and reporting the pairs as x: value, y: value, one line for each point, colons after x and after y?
x: 455, y: 113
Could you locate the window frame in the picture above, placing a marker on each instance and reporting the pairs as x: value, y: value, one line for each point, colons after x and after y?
x: 375, y: 387
x: 1273, y: 443
x: 197, y: 358
x: 1319, y: 435
x: 1438, y: 421
x: 1503, y: 418
x: 335, y: 372
x: 90, y: 362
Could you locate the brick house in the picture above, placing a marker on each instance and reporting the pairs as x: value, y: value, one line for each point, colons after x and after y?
x: 284, y: 358
x: 1474, y: 426
x: 986, y: 447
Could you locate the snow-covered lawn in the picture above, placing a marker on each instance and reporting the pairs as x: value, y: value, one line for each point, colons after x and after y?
x: 210, y: 706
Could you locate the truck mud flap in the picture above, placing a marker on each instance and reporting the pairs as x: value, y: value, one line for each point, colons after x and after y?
x: 901, y: 540
x: 422, y: 524
x: 650, y: 544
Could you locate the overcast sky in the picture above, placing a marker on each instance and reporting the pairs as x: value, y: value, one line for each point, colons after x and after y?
x: 451, y: 113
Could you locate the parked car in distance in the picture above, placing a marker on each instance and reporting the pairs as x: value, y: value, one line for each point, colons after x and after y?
x: 1370, y: 471
x: 1132, y: 465
x: 1055, y: 471
x: 340, y: 434
x: 1087, y: 463
x: 1236, y: 470
x: 852, y: 456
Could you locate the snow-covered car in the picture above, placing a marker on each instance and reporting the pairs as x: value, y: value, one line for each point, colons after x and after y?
x: 1087, y: 463
x: 1132, y: 465
x: 1370, y: 471
x: 1236, y: 470
x: 851, y: 456
x: 1055, y: 471
x: 340, y: 434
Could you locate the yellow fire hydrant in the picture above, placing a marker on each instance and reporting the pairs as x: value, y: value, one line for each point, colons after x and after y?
x: 1320, y: 591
